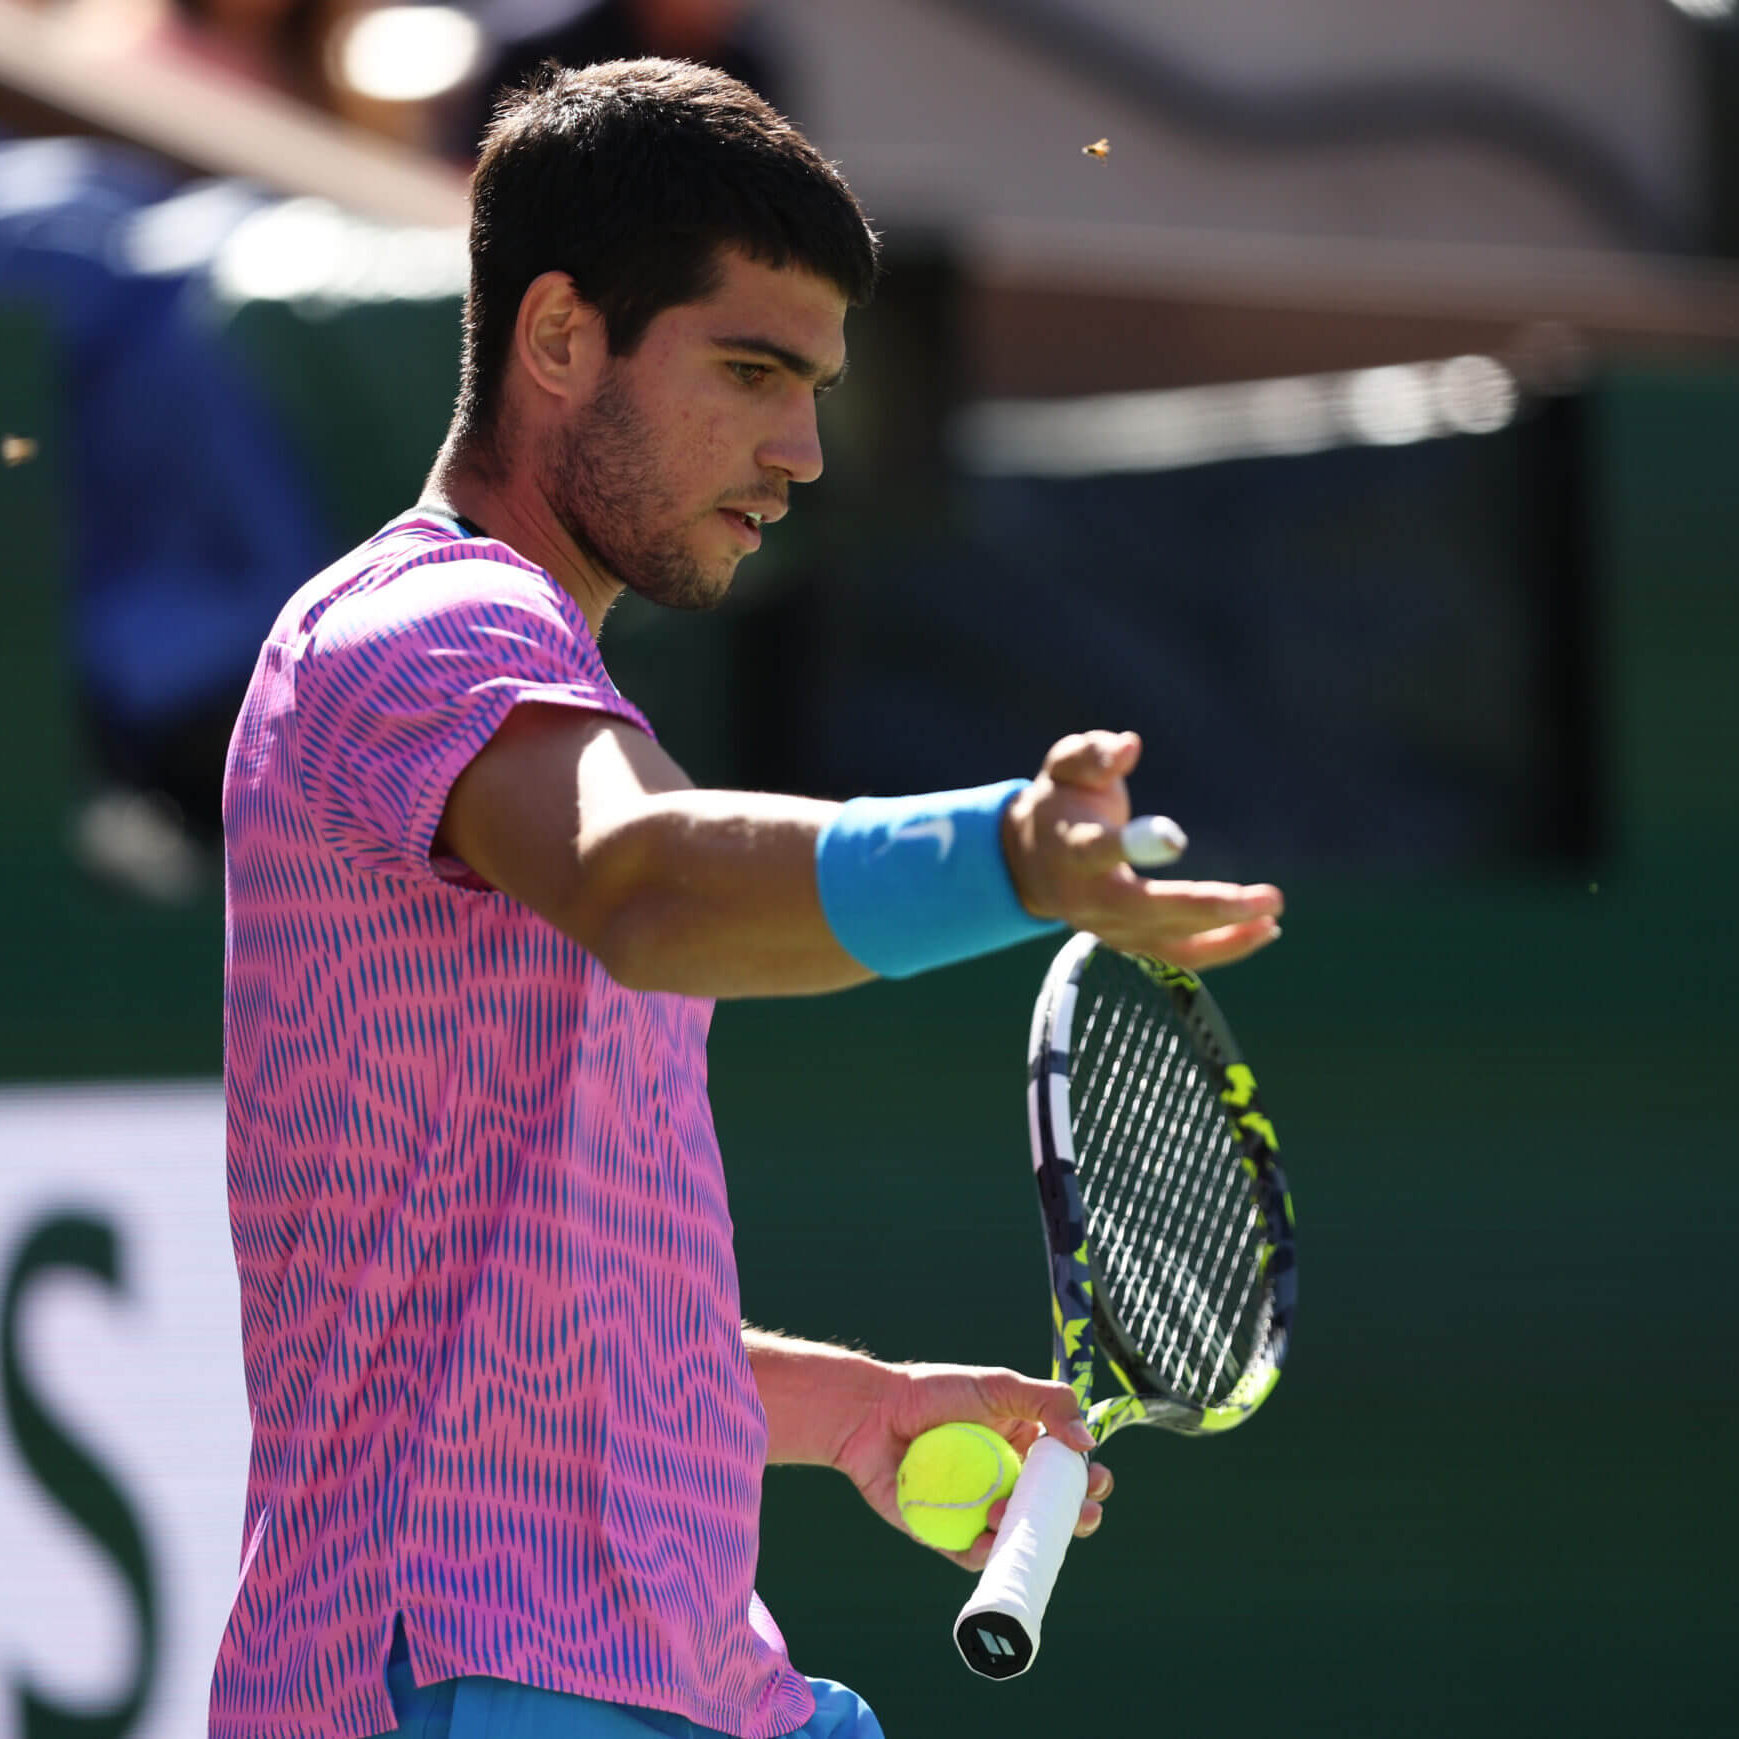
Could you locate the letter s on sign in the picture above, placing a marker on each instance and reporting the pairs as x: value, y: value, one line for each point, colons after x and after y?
x: 73, y: 1477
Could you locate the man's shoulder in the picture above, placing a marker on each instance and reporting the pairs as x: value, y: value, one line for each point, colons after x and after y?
x: 422, y: 573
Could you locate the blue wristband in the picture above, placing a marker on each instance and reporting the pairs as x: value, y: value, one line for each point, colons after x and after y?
x: 908, y: 883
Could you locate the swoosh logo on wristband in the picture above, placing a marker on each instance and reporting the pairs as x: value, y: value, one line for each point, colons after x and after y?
x: 939, y: 828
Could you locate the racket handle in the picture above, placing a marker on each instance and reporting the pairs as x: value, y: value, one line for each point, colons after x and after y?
x: 1153, y: 841
x: 997, y: 1631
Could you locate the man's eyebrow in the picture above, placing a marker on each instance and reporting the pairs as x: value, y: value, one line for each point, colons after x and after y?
x: 805, y: 368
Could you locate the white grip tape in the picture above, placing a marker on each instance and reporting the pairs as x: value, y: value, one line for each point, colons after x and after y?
x: 1034, y: 1536
x: 1153, y: 841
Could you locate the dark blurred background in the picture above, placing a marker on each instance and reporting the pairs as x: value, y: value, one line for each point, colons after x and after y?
x: 1363, y: 429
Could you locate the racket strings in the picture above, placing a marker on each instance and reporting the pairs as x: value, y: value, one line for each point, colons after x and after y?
x: 1232, y: 1264
x: 1184, y: 1318
x: 1175, y: 1233
x: 1135, y: 1194
x: 1179, y: 1189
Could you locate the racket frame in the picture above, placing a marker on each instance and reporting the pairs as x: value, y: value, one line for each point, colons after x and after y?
x: 1078, y: 1292
x: 998, y: 1630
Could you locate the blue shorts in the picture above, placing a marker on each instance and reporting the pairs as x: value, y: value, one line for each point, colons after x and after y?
x: 497, y: 1709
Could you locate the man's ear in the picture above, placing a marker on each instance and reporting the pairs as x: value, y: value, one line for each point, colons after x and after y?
x: 559, y: 342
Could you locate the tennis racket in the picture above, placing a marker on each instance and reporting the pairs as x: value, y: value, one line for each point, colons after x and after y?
x: 1169, y: 1233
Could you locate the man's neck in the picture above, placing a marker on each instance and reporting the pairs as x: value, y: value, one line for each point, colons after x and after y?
x: 503, y: 506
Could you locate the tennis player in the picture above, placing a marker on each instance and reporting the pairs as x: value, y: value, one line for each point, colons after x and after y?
x: 508, y: 1426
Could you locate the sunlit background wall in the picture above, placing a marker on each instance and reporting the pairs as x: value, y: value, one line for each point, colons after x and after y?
x: 1344, y: 395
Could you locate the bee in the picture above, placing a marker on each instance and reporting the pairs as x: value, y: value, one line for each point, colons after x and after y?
x: 1100, y: 148
x: 17, y: 450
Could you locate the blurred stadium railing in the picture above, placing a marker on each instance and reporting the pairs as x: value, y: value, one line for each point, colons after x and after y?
x: 57, y: 76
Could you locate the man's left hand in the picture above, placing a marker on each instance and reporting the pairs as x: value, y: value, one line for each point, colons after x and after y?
x: 915, y: 1397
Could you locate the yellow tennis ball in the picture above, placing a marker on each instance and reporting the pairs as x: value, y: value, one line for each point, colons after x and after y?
x: 950, y: 1477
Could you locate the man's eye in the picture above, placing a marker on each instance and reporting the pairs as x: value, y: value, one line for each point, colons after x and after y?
x: 750, y: 373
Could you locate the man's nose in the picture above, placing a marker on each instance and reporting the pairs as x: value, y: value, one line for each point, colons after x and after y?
x: 795, y: 446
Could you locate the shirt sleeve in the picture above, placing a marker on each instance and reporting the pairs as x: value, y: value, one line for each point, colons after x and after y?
x: 400, y: 685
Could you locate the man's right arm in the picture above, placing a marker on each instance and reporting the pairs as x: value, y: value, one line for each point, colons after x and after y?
x: 584, y: 819
x: 587, y: 821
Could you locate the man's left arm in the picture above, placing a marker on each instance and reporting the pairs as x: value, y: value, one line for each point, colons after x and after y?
x: 829, y: 1406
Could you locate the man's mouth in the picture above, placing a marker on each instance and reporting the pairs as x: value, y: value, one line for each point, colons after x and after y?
x: 748, y: 524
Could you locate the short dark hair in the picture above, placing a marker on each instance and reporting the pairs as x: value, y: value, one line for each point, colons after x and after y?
x: 630, y: 176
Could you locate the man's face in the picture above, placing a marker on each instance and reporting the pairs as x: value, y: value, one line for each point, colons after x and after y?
x: 706, y: 425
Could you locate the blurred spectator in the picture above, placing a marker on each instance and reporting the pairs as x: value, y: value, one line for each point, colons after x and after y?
x: 190, y: 520
x: 277, y: 43
x: 722, y: 33
x: 401, y: 70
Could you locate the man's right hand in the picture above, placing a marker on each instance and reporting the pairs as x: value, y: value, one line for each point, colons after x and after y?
x: 1062, y: 839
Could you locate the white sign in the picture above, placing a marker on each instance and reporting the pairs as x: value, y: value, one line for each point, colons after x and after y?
x: 123, y: 1421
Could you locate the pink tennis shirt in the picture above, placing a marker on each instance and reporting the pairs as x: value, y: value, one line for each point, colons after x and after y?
x: 490, y: 1313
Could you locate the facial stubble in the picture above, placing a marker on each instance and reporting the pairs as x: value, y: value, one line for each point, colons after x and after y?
x: 602, y: 480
